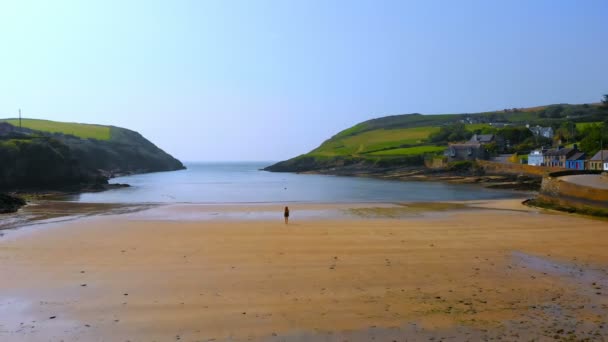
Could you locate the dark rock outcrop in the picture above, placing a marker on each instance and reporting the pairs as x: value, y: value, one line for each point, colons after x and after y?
x: 10, y: 204
x: 39, y: 161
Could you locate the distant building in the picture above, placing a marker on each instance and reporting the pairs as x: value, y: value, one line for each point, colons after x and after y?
x: 558, y: 156
x: 488, y: 139
x: 6, y: 128
x: 474, y: 148
x: 537, y: 157
x: 483, y: 138
x: 465, y: 151
x: 470, y: 120
x: 576, y: 161
x: 599, y: 161
x: 546, y: 132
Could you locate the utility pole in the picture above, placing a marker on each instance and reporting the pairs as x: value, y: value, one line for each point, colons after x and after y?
x: 572, y: 133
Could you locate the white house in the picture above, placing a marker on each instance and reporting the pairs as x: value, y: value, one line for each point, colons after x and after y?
x: 536, y: 158
x: 546, y: 132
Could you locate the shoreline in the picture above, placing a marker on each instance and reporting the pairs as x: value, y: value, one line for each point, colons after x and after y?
x: 471, y: 270
x: 504, y: 181
x: 39, y: 212
x: 37, y: 195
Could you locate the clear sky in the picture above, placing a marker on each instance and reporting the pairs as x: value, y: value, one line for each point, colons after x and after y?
x: 267, y: 80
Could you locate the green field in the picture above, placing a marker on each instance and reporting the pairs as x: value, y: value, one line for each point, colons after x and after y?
x: 582, y: 125
x: 409, y: 151
x: 474, y: 127
x: 382, y: 142
x: 84, y: 131
x: 374, y: 140
x: 405, y: 138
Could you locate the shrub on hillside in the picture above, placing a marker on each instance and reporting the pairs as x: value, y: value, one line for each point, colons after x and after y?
x: 450, y: 133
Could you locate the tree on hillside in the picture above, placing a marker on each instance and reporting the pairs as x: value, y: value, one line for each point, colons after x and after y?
x: 454, y: 132
x: 554, y: 112
x: 514, y: 135
x: 594, y: 136
x: 486, y: 130
x: 566, y: 132
x: 491, y: 149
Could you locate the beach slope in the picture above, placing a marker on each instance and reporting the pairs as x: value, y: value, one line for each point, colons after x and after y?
x: 466, y: 271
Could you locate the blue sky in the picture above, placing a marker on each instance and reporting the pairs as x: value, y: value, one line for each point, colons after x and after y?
x: 267, y: 80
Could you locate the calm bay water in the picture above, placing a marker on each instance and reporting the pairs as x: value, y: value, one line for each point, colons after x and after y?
x: 244, y: 183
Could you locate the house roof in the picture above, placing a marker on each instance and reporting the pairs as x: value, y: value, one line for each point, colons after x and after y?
x: 577, y: 156
x: 556, y: 152
x: 598, y: 155
x: 482, y: 138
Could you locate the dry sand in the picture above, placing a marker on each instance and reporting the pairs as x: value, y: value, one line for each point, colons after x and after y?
x: 481, y: 270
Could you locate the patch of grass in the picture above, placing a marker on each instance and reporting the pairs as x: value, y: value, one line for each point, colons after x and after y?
x: 582, y: 125
x: 589, y: 211
x: 374, y: 140
x: 474, y: 127
x: 406, y: 151
x: 352, y: 131
x: 84, y: 131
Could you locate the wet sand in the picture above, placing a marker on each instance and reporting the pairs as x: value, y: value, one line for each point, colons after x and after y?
x: 459, y: 271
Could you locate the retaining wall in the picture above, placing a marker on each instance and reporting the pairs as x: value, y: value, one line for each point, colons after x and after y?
x: 517, y: 169
x: 558, y: 191
x: 436, y: 163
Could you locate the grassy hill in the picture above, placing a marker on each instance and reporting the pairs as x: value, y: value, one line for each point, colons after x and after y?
x: 84, y: 131
x: 54, y: 155
x: 405, y: 139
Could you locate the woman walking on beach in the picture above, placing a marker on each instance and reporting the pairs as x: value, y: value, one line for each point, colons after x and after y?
x: 286, y: 215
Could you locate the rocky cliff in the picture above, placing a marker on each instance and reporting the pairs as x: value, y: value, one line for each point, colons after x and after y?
x: 48, y: 159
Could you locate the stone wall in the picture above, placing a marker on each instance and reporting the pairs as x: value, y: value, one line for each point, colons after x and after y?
x: 557, y: 191
x: 516, y: 169
x: 436, y: 162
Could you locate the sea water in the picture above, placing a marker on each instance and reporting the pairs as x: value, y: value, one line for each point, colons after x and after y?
x: 244, y: 182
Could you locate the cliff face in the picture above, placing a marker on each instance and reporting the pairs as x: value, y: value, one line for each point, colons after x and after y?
x: 39, y: 160
x: 10, y: 204
x: 126, y: 152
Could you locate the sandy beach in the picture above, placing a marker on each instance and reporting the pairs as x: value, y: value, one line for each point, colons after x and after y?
x: 459, y: 271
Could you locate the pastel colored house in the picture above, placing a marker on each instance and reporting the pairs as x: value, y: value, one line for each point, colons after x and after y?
x: 558, y: 156
x: 576, y: 161
x: 537, y: 158
x: 599, y: 161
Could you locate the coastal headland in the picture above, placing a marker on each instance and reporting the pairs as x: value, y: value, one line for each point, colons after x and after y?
x: 417, y: 271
